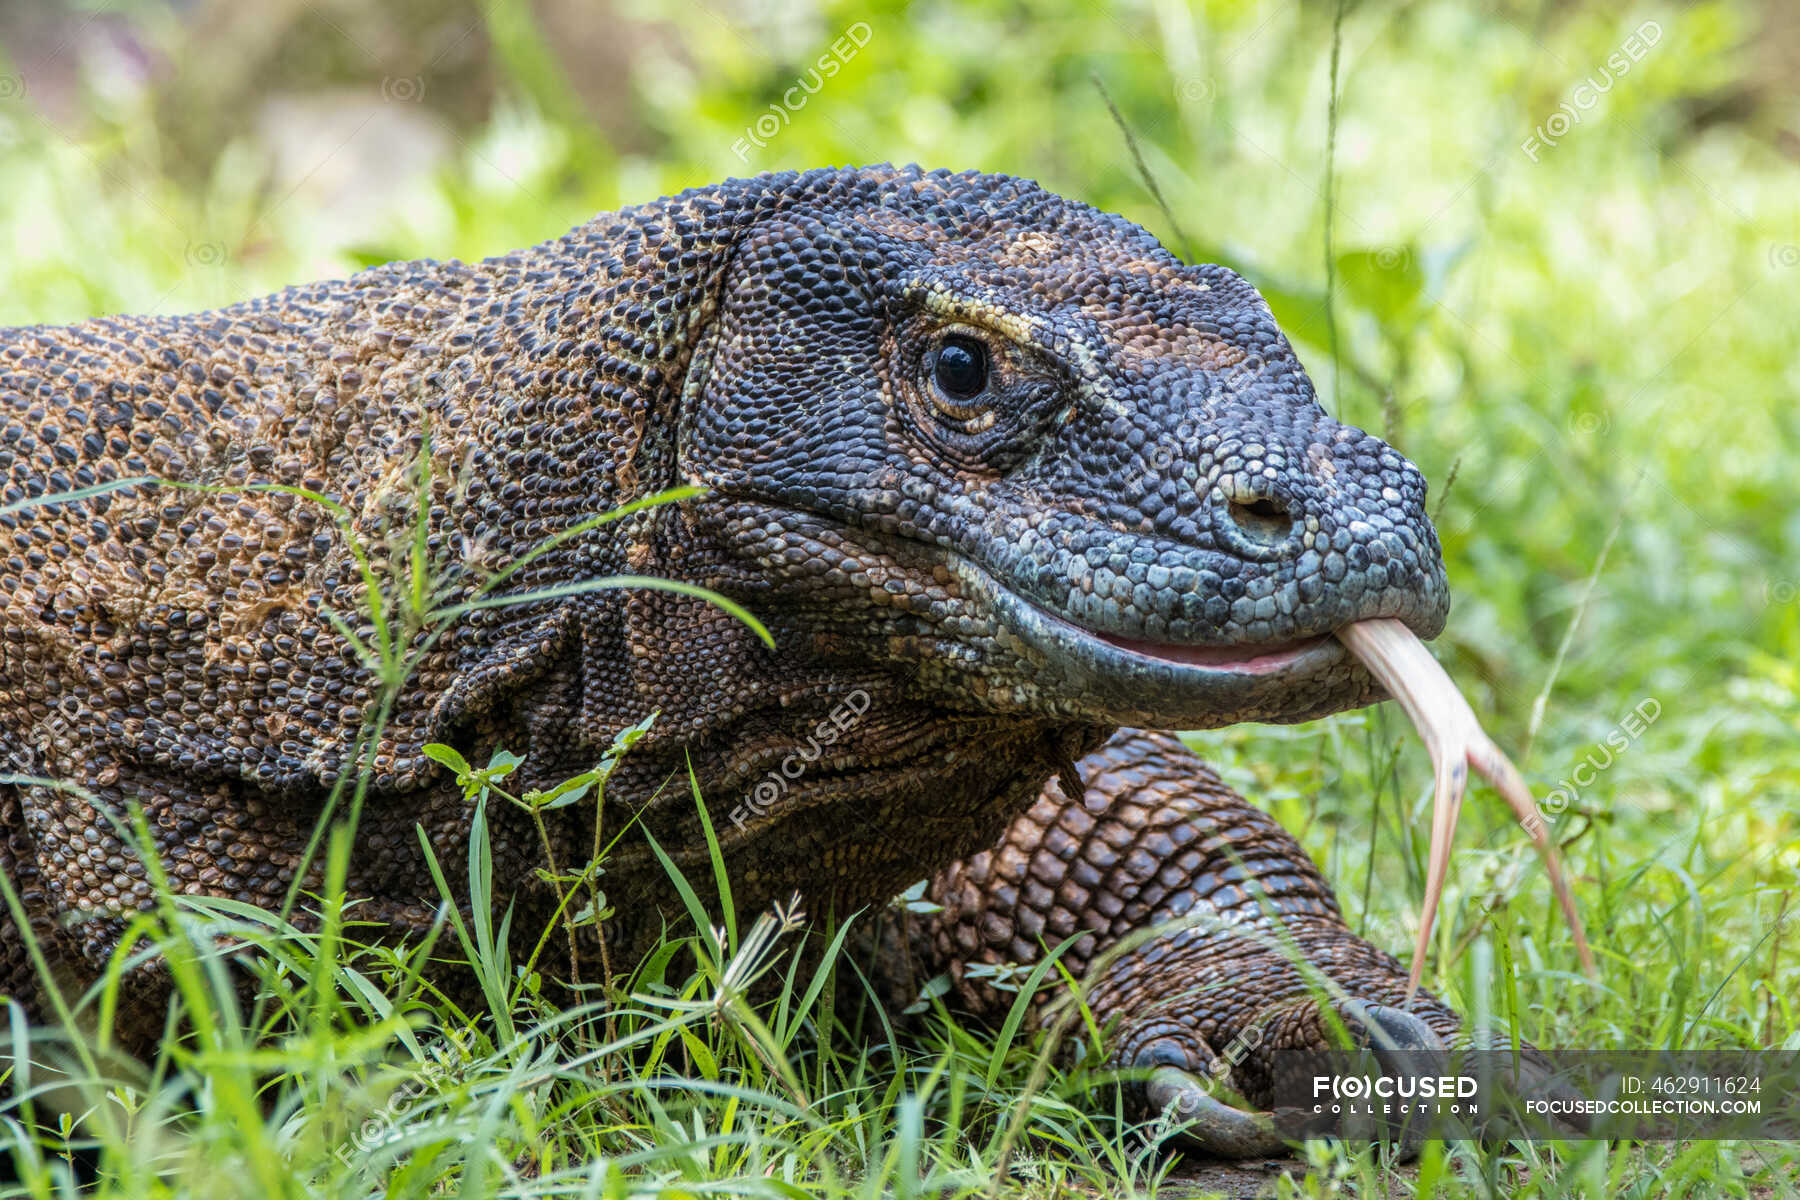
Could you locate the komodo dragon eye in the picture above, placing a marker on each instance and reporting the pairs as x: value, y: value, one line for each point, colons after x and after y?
x: 961, y: 368
x: 980, y: 400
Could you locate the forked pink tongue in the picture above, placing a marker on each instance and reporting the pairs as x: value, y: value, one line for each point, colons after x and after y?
x: 1456, y: 742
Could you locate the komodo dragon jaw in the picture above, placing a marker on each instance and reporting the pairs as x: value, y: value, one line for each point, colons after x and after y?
x: 1119, y: 498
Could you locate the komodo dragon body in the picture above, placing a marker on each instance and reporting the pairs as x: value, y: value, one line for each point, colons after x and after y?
x: 999, y: 473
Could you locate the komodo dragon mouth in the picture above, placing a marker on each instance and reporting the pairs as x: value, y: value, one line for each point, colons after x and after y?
x: 1387, y: 649
x: 1184, y: 668
x: 1398, y: 660
x: 1255, y: 659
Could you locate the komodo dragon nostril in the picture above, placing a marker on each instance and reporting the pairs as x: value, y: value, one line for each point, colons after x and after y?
x: 1251, y: 520
x: 1263, y: 520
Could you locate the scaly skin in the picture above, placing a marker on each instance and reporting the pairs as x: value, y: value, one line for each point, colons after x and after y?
x: 1159, y: 843
x: 1142, y: 516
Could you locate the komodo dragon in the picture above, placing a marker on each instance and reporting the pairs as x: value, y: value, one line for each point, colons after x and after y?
x: 993, y: 461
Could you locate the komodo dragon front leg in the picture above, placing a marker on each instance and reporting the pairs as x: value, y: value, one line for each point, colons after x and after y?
x: 1159, y: 840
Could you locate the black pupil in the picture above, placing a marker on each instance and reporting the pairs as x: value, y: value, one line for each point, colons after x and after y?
x: 962, y: 368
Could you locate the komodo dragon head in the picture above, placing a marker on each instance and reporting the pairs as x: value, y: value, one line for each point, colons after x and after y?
x: 1011, y: 443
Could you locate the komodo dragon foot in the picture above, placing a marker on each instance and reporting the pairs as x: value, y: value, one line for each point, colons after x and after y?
x: 1218, y: 943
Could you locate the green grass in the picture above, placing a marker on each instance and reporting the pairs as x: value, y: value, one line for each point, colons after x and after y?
x: 1596, y: 347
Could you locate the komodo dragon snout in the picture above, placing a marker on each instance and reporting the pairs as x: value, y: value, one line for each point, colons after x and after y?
x: 1015, y: 437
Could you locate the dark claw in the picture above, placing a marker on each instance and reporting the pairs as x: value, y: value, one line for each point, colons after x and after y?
x: 1211, y: 1125
x: 1396, y: 1043
x: 1402, y: 1044
x: 1392, y: 1029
